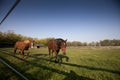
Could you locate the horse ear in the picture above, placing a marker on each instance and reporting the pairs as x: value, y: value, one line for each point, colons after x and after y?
x: 66, y: 40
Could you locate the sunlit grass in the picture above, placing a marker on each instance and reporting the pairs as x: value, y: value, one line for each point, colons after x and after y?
x: 83, y: 63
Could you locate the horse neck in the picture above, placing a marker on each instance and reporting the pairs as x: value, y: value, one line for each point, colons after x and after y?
x: 57, y: 43
x: 27, y: 42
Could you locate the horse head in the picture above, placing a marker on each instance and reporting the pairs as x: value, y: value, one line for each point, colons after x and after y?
x: 63, y: 46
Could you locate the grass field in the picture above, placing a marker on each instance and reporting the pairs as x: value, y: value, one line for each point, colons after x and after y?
x: 82, y: 64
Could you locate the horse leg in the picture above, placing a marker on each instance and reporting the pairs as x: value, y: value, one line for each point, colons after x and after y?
x: 56, y: 56
x: 19, y: 52
x: 57, y: 51
x: 52, y: 52
x: 49, y: 52
x: 23, y: 54
x: 15, y: 49
x: 27, y: 54
x: 59, y: 58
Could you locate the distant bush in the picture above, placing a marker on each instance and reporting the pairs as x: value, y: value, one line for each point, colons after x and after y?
x: 42, y: 42
x: 8, y: 39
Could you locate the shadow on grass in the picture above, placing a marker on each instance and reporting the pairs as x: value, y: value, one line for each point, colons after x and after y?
x: 73, y: 75
x: 79, y: 66
x: 39, y: 55
x: 44, y: 56
x: 67, y: 75
x: 7, y: 74
x: 74, y: 65
x: 92, y: 68
x: 61, y: 57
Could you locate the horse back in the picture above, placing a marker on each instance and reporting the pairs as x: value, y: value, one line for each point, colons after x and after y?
x: 21, y: 45
x: 52, y: 44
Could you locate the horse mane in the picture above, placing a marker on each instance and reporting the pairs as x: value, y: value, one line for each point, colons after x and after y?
x: 59, y: 39
x: 26, y: 41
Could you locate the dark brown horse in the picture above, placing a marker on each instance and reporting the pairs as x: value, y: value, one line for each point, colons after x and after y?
x: 55, y: 45
x: 22, y: 45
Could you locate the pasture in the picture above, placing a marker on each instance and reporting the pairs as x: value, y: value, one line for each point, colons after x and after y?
x: 78, y: 64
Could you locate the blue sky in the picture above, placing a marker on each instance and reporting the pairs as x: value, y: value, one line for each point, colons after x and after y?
x: 75, y: 20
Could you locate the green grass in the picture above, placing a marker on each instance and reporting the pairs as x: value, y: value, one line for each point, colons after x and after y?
x: 83, y: 64
x: 7, y: 74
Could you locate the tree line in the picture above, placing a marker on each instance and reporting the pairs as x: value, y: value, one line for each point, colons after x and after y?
x: 105, y: 42
x: 9, y: 38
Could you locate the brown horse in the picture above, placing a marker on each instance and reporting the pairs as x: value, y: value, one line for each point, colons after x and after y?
x: 55, y: 45
x: 22, y: 45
